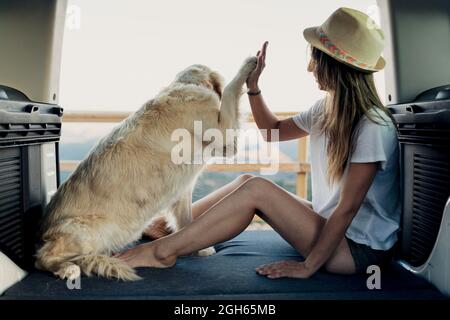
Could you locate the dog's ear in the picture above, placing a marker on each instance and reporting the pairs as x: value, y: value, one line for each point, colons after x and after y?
x: 216, y: 82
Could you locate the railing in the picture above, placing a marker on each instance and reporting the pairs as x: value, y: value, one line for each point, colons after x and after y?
x: 300, y: 167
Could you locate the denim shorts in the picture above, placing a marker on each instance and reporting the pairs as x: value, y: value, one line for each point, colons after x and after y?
x: 364, y: 256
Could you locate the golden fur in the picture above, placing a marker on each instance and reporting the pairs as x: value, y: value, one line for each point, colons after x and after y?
x: 129, y: 179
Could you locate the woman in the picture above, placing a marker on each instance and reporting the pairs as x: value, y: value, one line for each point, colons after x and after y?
x: 353, y: 219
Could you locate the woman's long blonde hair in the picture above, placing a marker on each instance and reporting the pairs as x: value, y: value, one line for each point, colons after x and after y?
x: 351, y: 95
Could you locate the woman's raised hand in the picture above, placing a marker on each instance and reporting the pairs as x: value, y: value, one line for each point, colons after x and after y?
x: 252, y: 80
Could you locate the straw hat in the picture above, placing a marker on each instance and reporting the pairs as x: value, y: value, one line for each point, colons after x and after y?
x: 350, y: 36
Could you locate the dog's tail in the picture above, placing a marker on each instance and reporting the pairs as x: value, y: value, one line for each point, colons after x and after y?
x: 105, y: 266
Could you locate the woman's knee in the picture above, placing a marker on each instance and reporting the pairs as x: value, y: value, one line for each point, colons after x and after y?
x: 257, y: 186
x: 244, y: 177
x: 251, y: 192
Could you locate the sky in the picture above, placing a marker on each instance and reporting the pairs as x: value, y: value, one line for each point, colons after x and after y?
x: 118, y: 54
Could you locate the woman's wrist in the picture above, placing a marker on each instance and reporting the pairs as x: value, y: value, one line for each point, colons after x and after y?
x: 253, y: 91
x: 311, y: 266
x: 307, y: 269
x: 253, y: 87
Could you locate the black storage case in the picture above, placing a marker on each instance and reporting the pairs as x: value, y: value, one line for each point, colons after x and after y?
x: 29, y: 172
x: 424, y: 136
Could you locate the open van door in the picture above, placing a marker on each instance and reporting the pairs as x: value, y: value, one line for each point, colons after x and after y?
x: 418, y: 95
x: 31, y: 34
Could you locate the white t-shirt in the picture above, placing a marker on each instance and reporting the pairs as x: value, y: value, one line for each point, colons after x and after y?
x: 378, y: 219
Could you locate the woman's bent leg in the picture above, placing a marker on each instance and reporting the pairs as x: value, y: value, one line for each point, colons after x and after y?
x: 202, y: 205
x: 291, y: 218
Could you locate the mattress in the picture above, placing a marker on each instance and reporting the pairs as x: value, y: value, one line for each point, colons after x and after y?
x: 229, y: 274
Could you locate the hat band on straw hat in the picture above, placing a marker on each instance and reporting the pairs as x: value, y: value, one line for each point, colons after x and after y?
x: 342, y: 54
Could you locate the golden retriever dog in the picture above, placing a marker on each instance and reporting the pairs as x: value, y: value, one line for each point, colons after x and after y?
x: 129, y: 178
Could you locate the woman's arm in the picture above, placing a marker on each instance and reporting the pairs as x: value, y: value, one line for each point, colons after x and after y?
x: 264, y: 118
x: 354, y: 189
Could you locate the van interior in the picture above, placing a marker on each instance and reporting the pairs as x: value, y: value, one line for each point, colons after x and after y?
x: 417, y: 81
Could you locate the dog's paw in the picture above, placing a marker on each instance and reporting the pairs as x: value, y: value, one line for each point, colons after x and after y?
x: 206, y: 252
x: 70, y: 272
x: 249, y: 65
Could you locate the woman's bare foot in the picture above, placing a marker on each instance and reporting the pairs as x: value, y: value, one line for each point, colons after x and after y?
x: 157, y: 229
x: 146, y: 255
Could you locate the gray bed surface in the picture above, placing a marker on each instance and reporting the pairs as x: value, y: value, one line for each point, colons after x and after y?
x: 229, y: 274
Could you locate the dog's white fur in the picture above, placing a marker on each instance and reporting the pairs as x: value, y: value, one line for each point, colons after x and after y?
x: 129, y: 179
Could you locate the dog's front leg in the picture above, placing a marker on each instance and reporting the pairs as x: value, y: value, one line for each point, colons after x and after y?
x: 182, y: 211
x: 229, y: 108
